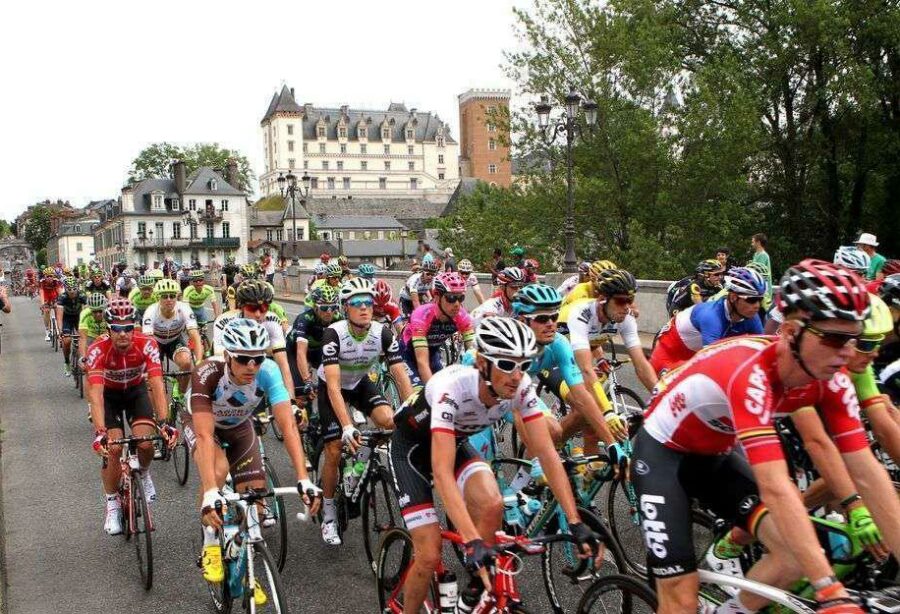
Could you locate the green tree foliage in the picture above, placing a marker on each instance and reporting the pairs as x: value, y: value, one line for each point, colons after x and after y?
x: 155, y: 161
x: 40, y: 258
x: 6, y: 228
x: 37, y: 230
x: 716, y: 119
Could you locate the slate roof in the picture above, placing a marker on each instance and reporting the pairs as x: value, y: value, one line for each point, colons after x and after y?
x: 78, y: 228
x: 266, y: 218
x: 363, y: 222
x: 199, y: 182
x: 401, y: 209
x: 309, y: 249
x: 282, y: 102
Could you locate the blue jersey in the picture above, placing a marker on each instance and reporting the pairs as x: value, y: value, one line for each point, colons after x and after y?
x: 231, y: 404
x: 712, y: 323
x: 558, y: 354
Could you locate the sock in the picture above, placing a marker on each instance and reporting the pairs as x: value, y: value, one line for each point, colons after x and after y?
x: 329, y: 511
x: 112, y: 500
x: 209, y: 537
x: 520, y: 480
x: 733, y: 606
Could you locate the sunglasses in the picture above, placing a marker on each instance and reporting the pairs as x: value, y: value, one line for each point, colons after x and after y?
x: 509, y: 366
x: 361, y: 303
x: 262, y: 308
x: 867, y: 346
x: 623, y: 300
x: 121, y: 328
x: 327, y: 308
x: 455, y: 298
x: 246, y: 360
x: 543, y: 318
x: 833, y: 340
x: 753, y: 300
x: 169, y: 297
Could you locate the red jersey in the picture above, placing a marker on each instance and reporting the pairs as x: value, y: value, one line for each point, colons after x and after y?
x: 730, y: 391
x: 108, y: 367
x: 388, y: 312
x: 50, y: 288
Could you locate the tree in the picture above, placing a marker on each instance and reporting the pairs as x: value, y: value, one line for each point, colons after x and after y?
x: 6, y: 228
x: 37, y: 229
x: 155, y: 161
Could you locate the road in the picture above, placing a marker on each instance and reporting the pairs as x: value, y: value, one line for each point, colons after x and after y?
x: 58, y: 559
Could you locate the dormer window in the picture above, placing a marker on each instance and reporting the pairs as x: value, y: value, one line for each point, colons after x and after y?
x: 440, y: 141
x: 362, y: 132
x: 213, y: 185
x: 342, y: 132
x: 176, y: 204
x: 156, y: 202
x: 385, y: 133
x: 320, y: 129
x: 410, y: 134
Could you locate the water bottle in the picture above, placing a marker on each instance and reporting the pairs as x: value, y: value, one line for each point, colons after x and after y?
x: 528, y: 507
x: 448, y: 592
x: 468, y: 600
x: 537, y: 473
x: 511, y: 513
x: 347, y: 477
x: 838, y: 543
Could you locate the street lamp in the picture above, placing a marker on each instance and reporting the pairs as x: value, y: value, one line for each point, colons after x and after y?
x: 567, y: 124
x: 287, y: 185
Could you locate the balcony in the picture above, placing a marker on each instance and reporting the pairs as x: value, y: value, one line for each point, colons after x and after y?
x: 156, y: 243
x: 213, y: 242
x: 209, y: 215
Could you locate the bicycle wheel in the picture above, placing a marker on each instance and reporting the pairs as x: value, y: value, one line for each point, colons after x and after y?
x: 219, y: 591
x: 268, y: 579
x: 629, y: 404
x: 619, y: 594
x: 143, y: 528
x: 395, y: 553
x: 566, y: 577
x: 380, y: 512
x: 54, y: 337
x: 275, y: 535
x: 181, y: 459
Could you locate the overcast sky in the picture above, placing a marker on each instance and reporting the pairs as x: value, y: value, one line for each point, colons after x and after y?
x: 86, y: 85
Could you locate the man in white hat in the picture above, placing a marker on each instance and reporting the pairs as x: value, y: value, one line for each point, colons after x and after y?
x: 867, y: 242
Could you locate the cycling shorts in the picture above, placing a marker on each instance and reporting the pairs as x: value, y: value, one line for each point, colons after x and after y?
x: 366, y: 396
x: 168, y: 350
x: 134, y: 401
x: 313, y: 359
x: 412, y: 367
x: 240, y: 446
x: 667, y: 481
x: 70, y: 324
x: 410, y: 461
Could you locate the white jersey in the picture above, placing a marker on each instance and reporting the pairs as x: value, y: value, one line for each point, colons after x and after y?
x: 585, y: 327
x: 491, y: 307
x: 166, y: 330
x: 357, y: 356
x: 415, y: 285
x: 568, y: 285
x: 272, y: 324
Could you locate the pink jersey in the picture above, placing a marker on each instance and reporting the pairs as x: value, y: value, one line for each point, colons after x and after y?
x: 731, y: 391
x: 425, y: 329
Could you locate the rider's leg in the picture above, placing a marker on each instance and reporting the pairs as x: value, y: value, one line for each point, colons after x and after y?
x: 66, y: 346
x: 427, y: 548
x: 332, y: 453
x: 184, y: 360
x: 482, y: 496
x: 777, y: 568
x: 383, y: 416
x: 143, y: 428
x: 112, y: 470
x: 679, y: 594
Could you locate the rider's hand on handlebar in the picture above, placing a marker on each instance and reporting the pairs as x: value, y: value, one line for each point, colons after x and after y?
x: 351, y: 437
x: 865, y: 529
x: 616, y: 425
x: 311, y: 495
x: 587, y: 541
x: 169, y: 434
x: 477, y: 555
x: 99, y: 443
x: 212, y: 509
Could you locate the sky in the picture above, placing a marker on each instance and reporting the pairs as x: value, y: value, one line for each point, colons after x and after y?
x: 87, y: 85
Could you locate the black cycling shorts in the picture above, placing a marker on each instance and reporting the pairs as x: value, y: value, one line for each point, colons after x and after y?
x: 667, y: 481
x: 366, y: 396
x: 168, y: 350
x: 313, y: 359
x: 69, y: 324
x: 134, y: 401
x: 241, y: 449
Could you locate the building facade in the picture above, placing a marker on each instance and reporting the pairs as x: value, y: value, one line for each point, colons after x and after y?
x: 484, y: 149
x: 398, y: 153
x: 73, y: 242
x: 184, y: 218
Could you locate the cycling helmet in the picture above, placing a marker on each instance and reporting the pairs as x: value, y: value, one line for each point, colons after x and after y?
x: 465, y: 266
x: 119, y: 310
x: 598, y: 266
x: 344, y: 262
x: 97, y: 301
x: 146, y: 281
x: 824, y: 290
x: 880, y: 321
x: 67, y: 271
x: 324, y: 295
x: 156, y: 274
x: 890, y: 290
x: 242, y: 335
x: 517, y: 251
x: 430, y: 265
x: 320, y: 269
x: 71, y: 284
x: 584, y: 267
x: 366, y: 270
x: 358, y: 286
x: 333, y: 269
x: 449, y: 283
x: 499, y: 337
x: 853, y: 258
x: 229, y: 259
x: 891, y: 267
x: 745, y: 282
x: 48, y: 270
x: 536, y: 297
x: 616, y: 281
x: 325, y: 258
x: 531, y: 263
x: 383, y: 292
x: 760, y: 268
x: 253, y: 292
x: 197, y: 275
x: 248, y: 271
x: 167, y: 286
x: 710, y: 265
x: 511, y: 275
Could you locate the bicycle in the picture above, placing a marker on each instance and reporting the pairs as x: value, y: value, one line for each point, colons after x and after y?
x: 501, y: 594
x: 246, y: 559
x: 136, y: 516
x: 180, y: 455
x: 54, y: 331
x: 275, y: 513
x: 75, y: 365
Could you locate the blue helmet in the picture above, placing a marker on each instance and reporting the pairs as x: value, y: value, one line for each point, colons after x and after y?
x: 536, y: 297
x: 366, y: 270
x: 745, y: 282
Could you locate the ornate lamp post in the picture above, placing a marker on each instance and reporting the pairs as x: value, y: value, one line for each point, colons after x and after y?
x: 567, y: 124
x: 287, y: 185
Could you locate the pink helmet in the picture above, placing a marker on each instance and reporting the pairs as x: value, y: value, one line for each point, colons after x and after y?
x: 449, y: 282
x: 120, y: 310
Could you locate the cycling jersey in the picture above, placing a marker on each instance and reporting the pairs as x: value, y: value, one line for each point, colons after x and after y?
x: 125, y: 286
x: 889, y: 380
x: 569, y: 285
x: 279, y: 311
x: 230, y: 270
x: 357, y: 355
x: 494, y: 306
x: 213, y: 391
x: 271, y: 323
x: 584, y: 328
x: 686, y: 292
x: 50, y: 288
x: 558, y: 354
x: 696, y: 327
x: 139, y: 301
x: 866, y: 386
x: 168, y: 330
x: 92, y: 327
x: 415, y: 284
x: 197, y: 298
x: 72, y: 305
x: 579, y: 292
x: 731, y: 392
x: 388, y: 313
x: 309, y: 329
x: 427, y: 329
x: 108, y: 367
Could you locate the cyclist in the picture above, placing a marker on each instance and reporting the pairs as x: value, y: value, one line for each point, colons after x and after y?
x: 367, y: 271
x: 887, y: 363
x: 582, y: 276
x: 430, y: 446
x: 229, y: 272
x: 173, y: 325
x: 431, y: 324
x: 588, y: 289
x: 197, y: 295
x: 511, y: 280
x: 417, y: 288
x: 467, y: 272
x: 351, y: 349
x: 683, y: 452
x: 224, y: 394
x: 68, y: 309
x: 98, y: 283
x: 184, y: 277
x: 50, y: 288
x: 332, y: 277
x: 699, y: 325
x: 696, y: 288
x: 125, y: 284
x: 304, y: 340
x: 91, y: 323
x: 530, y: 269
x: 385, y: 309
x: 143, y: 296
x: 319, y: 271
x: 116, y: 367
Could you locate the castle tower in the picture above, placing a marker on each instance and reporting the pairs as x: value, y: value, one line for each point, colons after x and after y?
x: 484, y: 153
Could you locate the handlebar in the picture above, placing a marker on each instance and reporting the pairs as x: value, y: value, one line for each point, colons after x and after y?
x: 127, y: 440
x: 252, y: 496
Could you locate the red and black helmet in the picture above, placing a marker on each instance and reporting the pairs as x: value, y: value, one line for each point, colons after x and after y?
x: 825, y: 291
x: 383, y: 293
x: 891, y: 267
x: 119, y: 310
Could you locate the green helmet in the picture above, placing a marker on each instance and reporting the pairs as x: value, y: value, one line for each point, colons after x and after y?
x: 71, y: 284
x: 333, y: 270
x: 880, y: 321
x: 146, y: 281
x: 167, y: 286
x: 156, y: 274
x: 536, y: 297
x: 196, y: 274
x: 324, y: 295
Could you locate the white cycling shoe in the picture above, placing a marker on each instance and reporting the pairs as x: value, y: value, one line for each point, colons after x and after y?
x: 113, y: 523
x: 149, y: 488
x: 330, y: 533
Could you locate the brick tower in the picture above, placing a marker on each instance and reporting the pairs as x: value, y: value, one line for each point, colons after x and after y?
x: 483, y: 152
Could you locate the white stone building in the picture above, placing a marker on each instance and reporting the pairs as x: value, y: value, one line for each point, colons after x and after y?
x: 183, y: 218
x: 73, y: 242
x: 395, y: 153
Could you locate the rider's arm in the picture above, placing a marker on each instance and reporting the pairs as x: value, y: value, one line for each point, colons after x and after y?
x: 479, y: 296
x: 204, y: 426
x: 390, y: 348
x: 284, y: 416
x: 214, y: 298
x: 443, y: 458
x: 642, y: 367
x: 423, y: 362
x: 823, y: 452
x: 541, y: 445
x: 95, y: 402
x: 158, y: 397
x: 885, y: 428
x: 302, y: 362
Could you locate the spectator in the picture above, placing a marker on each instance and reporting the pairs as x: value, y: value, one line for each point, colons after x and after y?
x: 214, y: 267
x: 867, y: 242
x: 282, y: 270
x: 427, y: 254
x: 518, y: 252
x: 267, y: 265
x: 496, y: 265
x: 723, y: 255
x: 449, y: 260
x: 760, y: 255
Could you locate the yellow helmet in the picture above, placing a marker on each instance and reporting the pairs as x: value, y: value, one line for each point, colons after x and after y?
x: 156, y: 274
x: 598, y: 266
x: 880, y: 321
x: 167, y: 286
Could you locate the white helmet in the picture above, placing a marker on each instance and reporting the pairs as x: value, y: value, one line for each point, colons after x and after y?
x: 320, y: 269
x: 356, y: 286
x: 853, y: 258
x: 242, y: 335
x: 499, y: 337
x: 465, y: 266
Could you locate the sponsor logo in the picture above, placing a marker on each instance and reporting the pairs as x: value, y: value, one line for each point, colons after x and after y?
x: 842, y: 385
x: 671, y: 570
x: 403, y: 501
x: 447, y: 400
x: 243, y: 464
x: 394, y: 347
x: 756, y: 401
x: 330, y: 349
x: 677, y: 403
x: 655, y: 535
x: 641, y: 468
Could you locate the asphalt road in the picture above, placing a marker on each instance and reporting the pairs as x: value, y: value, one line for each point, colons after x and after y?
x: 58, y: 559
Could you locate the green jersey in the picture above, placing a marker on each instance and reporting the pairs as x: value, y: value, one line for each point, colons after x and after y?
x: 197, y: 298
x: 140, y: 303
x: 866, y: 387
x: 875, y: 265
x: 90, y: 325
x: 279, y: 311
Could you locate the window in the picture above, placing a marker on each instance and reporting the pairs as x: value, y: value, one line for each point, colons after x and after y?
x: 364, y: 165
x: 340, y: 165
x: 279, y: 234
x: 386, y: 133
x: 410, y: 150
x: 412, y: 165
x: 320, y: 132
x: 363, y: 148
x: 210, y: 230
x: 192, y: 204
x: 193, y: 229
x: 305, y: 148
x: 314, y: 183
x: 269, y: 235
x: 491, y: 127
x: 224, y: 204
x: 226, y: 229
x: 440, y: 141
x: 290, y: 129
x: 157, y: 202
x: 305, y: 164
x: 342, y: 133
x: 387, y: 149
x: 160, y: 231
x: 78, y: 247
x: 410, y: 134
x: 362, y: 132
x: 321, y: 148
x: 382, y: 183
x: 325, y: 235
x: 176, y: 230
x: 492, y: 169
x: 346, y: 183
x: 292, y: 162
x: 338, y: 234
x: 413, y: 183
x: 492, y: 144
x: 343, y: 148
x: 387, y: 165
x: 142, y: 229
x: 176, y: 204
x: 440, y: 158
x: 213, y: 185
x: 290, y: 145
x: 441, y: 176
x: 324, y: 165
x: 300, y: 234
x: 331, y: 183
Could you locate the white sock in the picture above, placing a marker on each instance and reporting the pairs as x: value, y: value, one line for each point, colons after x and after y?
x: 209, y: 537
x: 733, y: 606
x: 329, y: 511
x: 112, y: 500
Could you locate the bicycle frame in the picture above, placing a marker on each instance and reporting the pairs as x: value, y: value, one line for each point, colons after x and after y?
x: 129, y: 463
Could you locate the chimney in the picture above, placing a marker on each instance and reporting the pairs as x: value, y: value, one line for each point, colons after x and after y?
x: 180, y: 177
x: 292, y: 92
x: 231, y: 173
